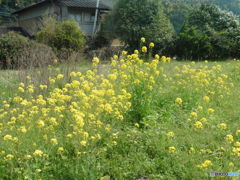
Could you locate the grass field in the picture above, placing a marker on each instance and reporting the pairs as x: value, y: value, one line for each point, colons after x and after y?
x: 126, y: 120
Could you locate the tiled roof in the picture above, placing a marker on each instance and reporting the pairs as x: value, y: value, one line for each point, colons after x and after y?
x: 29, y: 7
x: 84, y: 4
x: 70, y: 3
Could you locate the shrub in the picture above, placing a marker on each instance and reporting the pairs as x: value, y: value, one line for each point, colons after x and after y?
x: 11, y: 45
x: 35, y: 55
x: 47, y: 31
x: 16, y: 51
x: 66, y: 35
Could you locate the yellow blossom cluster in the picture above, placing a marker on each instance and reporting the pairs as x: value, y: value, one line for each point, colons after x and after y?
x: 81, y: 111
x: 205, y: 164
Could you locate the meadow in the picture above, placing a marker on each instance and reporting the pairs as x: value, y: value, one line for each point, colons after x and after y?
x: 125, y: 119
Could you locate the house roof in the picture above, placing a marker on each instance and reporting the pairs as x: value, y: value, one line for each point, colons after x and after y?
x: 29, y: 7
x: 84, y: 4
x: 69, y: 3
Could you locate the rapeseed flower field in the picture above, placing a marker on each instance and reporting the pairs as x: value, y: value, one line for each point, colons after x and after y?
x: 156, y: 119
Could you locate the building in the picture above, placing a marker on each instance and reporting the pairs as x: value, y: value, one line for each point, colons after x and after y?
x: 5, y: 16
x: 82, y: 11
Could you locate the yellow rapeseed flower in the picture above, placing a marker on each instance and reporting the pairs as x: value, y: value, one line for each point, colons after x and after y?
x: 51, y: 80
x: 7, y: 137
x: 79, y: 120
x: 136, y: 52
x: 238, y: 132
x: 22, y: 84
x: 198, y: 125
x: 157, y: 57
x: 75, y: 83
x: 28, y: 156
x: 38, y: 170
x: 179, y: 101
x: 73, y: 74
x: 112, y: 77
x: 43, y: 86
x: 95, y: 60
x: 193, y: 115
x: 229, y: 138
x: 60, y: 149
x: 83, y: 143
x: 200, y: 108
x: 237, y: 144
x: 168, y: 59
x: 38, y: 153
x: 205, y: 164
x: 144, y: 49
x: 60, y: 76
x: 231, y: 164
x: 191, y: 150
x: 211, y: 110
x: 171, y: 149
x: 54, y: 141
x: 143, y: 40
x: 223, y: 126
x: 136, y: 125
x: 69, y: 136
x: 40, y: 123
x: 30, y: 90
x: 124, y: 53
x: 170, y: 134
x: 21, y: 89
x: 9, y: 157
x: 115, y: 57
x: 55, y: 61
x: 203, y: 119
x: 23, y: 129
x: 206, y: 99
x: 151, y: 45
x: 164, y: 59
x: 114, y: 143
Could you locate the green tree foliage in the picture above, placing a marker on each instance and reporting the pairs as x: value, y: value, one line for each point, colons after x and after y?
x: 16, y: 4
x: 65, y: 35
x: 132, y: 19
x: 178, y: 10
x: 68, y: 35
x: 209, y: 33
x: 230, y: 5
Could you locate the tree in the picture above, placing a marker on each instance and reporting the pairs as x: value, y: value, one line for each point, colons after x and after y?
x: 178, y: 10
x: 177, y: 13
x: 16, y: 4
x: 209, y: 32
x: 132, y: 19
